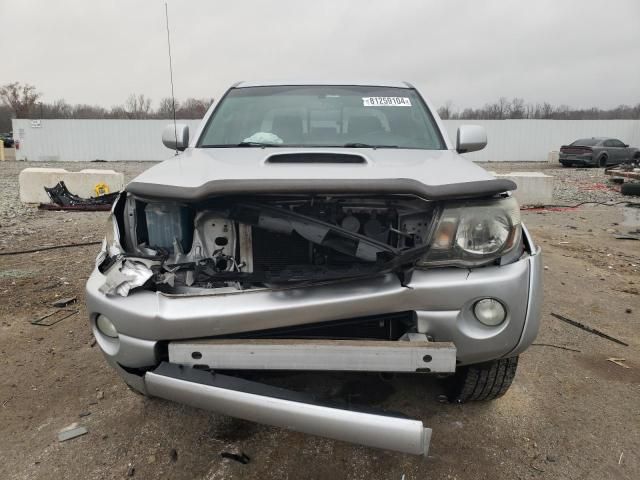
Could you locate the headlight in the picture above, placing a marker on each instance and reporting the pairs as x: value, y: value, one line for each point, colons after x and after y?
x: 473, y: 234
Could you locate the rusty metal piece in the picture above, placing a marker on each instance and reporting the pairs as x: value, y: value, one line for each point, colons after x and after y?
x: 586, y: 328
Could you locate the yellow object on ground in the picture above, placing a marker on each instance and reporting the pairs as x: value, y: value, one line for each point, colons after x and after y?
x: 101, y: 189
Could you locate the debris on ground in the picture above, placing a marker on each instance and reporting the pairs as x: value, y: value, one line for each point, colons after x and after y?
x: 561, y: 347
x: 54, y: 317
x: 51, y: 247
x: 243, y: 458
x: 618, y: 361
x: 131, y: 470
x: 71, y: 431
x: 63, y: 199
x: 63, y: 302
x: 586, y: 328
x: 173, y: 455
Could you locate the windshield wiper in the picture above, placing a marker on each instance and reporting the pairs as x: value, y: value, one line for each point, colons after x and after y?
x: 242, y: 144
x: 366, y: 145
x: 256, y: 144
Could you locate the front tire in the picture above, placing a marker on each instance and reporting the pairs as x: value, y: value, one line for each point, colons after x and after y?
x: 482, y: 381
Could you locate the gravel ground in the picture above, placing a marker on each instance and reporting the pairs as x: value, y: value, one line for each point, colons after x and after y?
x: 16, y: 218
x: 572, y: 185
x: 569, y: 415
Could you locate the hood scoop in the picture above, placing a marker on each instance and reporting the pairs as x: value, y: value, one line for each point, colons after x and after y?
x: 315, y: 158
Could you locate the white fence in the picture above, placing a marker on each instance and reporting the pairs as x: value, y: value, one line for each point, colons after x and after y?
x: 82, y: 140
x: 532, y: 140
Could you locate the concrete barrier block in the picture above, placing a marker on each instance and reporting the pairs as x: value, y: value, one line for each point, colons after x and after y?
x: 83, y: 183
x: 553, y: 157
x: 534, y: 188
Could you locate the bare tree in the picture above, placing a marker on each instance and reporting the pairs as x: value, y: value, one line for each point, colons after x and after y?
x: 5, y: 118
x: 194, y: 107
x: 446, y: 111
x: 118, y: 111
x: 546, y: 110
x: 165, y: 109
x: 57, y: 109
x: 19, y: 97
x: 517, y: 108
x: 138, y: 106
x: 88, y: 111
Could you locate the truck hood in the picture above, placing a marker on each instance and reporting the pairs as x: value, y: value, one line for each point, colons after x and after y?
x: 430, y: 174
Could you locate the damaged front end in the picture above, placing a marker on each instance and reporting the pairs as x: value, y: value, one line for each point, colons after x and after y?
x: 245, y: 283
x: 237, y: 243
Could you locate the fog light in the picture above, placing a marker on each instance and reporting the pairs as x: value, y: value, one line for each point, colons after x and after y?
x: 106, y: 327
x: 489, y: 311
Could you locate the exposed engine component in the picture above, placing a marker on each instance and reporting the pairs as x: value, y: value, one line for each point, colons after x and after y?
x: 249, y: 242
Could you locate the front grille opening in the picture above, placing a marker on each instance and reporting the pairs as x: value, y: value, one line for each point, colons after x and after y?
x: 388, y: 326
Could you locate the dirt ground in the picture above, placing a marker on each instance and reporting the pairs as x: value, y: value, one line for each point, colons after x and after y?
x: 569, y: 415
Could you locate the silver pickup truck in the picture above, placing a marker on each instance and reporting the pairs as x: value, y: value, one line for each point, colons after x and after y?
x: 318, y: 227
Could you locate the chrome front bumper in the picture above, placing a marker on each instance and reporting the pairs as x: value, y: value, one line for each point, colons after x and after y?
x: 282, y: 408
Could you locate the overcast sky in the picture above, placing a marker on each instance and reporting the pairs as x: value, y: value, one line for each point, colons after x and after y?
x: 575, y: 52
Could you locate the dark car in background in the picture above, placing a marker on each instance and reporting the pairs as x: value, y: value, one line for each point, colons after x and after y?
x: 595, y: 152
x: 7, y: 139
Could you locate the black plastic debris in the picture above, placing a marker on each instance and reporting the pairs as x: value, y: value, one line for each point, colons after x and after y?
x: 63, y: 302
x: 173, y: 455
x: 63, y: 199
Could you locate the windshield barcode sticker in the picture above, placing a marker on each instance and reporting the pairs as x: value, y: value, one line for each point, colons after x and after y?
x: 386, y: 102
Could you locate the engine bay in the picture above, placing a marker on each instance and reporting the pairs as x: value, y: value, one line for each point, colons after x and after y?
x: 250, y: 242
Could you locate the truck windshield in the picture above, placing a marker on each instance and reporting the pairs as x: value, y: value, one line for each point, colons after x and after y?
x: 322, y: 116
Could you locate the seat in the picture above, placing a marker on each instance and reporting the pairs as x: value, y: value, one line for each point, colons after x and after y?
x: 364, y: 124
x: 288, y: 128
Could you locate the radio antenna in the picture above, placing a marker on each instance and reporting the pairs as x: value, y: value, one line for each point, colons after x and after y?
x: 173, y: 98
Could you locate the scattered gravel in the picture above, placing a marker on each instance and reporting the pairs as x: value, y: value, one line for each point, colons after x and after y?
x: 572, y: 185
x: 20, y: 222
x: 575, y: 185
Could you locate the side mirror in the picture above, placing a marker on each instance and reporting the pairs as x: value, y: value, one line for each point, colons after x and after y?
x: 470, y: 138
x: 176, y: 137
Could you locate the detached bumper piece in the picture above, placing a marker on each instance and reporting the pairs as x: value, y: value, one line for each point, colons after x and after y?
x: 63, y: 199
x: 284, y: 408
x: 334, y: 355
